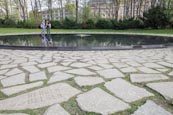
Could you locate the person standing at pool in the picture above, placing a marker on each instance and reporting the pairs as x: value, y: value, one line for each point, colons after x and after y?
x: 43, y: 27
x: 48, y: 27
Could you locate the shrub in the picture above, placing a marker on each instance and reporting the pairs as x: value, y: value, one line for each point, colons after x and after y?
x: 104, y: 24
x: 56, y: 24
x: 70, y: 24
x: 89, y: 24
x: 155, y: 18
x: 31, y: 24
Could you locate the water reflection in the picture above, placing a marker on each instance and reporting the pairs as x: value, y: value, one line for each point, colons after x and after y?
x: 84, y: 41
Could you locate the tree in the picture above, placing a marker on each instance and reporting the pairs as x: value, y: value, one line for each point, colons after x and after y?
x: 77, y: 6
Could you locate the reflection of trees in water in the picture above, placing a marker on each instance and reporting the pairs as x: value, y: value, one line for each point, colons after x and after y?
x: 89, y: 41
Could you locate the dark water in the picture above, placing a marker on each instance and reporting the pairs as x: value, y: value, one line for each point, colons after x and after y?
x: 85, y: 41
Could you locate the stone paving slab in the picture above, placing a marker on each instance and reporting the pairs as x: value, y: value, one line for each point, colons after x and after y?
x: 120, y: 65
x: 56, y: 110
x: 129, y: 70
x: 8, y: 66
x: 153, y: 65
x: 164, y: 88
x: 3, y: 71
x: 106, y: 66
x: 162, y: 70
x: 28, y: 64
x: 171, y: 73
x: 139, y: 78
x: 147, y: 70
x: 56, y: 68
x: 45, y: 65
x: 14, y: 72
x: 166, y: 64
x: 99, y: 101
x: 127, y: 91
x: 59, y: 76
x: 110, y: 73
x: 37, y: 76
x: 3, y: 77
x: 20, y: 88
x: 13, y: 80
x: 150, y: 108
x: 96, y: 68
x: 46, y: 96
x: 31, y: 69
x: 88, y: 81
x: 84, y: 72
x: 80, y: 65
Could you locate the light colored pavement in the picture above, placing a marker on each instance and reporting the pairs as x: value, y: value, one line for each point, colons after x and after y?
x: 86, y: 82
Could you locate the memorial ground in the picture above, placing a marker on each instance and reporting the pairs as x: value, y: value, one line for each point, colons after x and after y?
x: 137, y: 82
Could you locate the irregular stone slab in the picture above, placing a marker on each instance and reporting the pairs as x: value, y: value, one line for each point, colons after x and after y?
x: 13, y: 80
x: 166, y: 64
x: 28, y: 64
x: 46, y: 96
x: 80, y: 72
x: 37, y: 76
x: 171, y: 73
x: 3, y: 71
x: 3, y: 77
x: 79, y: 65
x: 147, y: 70
x: 133, y: 63
x: 153, y: 65
x: 129, y: 70
x: 150, y: 108
x: 46, y: 65
x: 106, y: 66
x: 15, y: 114
x: 163, y: 70
x: 139, y: 78
x: 164, y: 88
x: 59, y: 76
x: 99, y: 101
x: 120, y: 65
x: 56, y: 110
x: 127, y: 91
x: 110, y: 73
x: 31, y: 69
x: 8, y: 66
x: 13, y: 72
x: 96, y: 68
x: 17, y: 89
x: 88, y: 81
x: 56, y: 68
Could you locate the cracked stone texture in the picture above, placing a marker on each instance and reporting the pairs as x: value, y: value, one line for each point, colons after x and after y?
x: 99, y: 101
x: 110, y: 73
x: 37, y: 76
x: 139, y: 78
x: 13, y: 80
x: 150, y: 108
x: 56, y: 110
x: 86, y: 64
x: 88, y: 81
x: 31, y: 69
x: 164, y: 88
x: 17, y: 89
x: 80, y: 72
x: 15, y: 114
x: 59, y: 76
x: 46, y: 96
x: 127, y: 91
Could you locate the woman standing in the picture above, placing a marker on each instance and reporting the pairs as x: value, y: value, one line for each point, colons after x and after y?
x: 48, y: 27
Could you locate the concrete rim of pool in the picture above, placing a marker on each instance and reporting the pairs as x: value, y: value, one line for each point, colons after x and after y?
x: 85, y: 34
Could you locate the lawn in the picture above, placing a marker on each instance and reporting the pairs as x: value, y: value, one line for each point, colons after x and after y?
x: 21, y: 30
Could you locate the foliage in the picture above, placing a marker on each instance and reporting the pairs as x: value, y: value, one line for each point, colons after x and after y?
x: 103, y: 24
x: 155, y: 18
x: 89, y: 24
x: 7, y: 22
x: 70, y: 24
x: 56, y: 24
